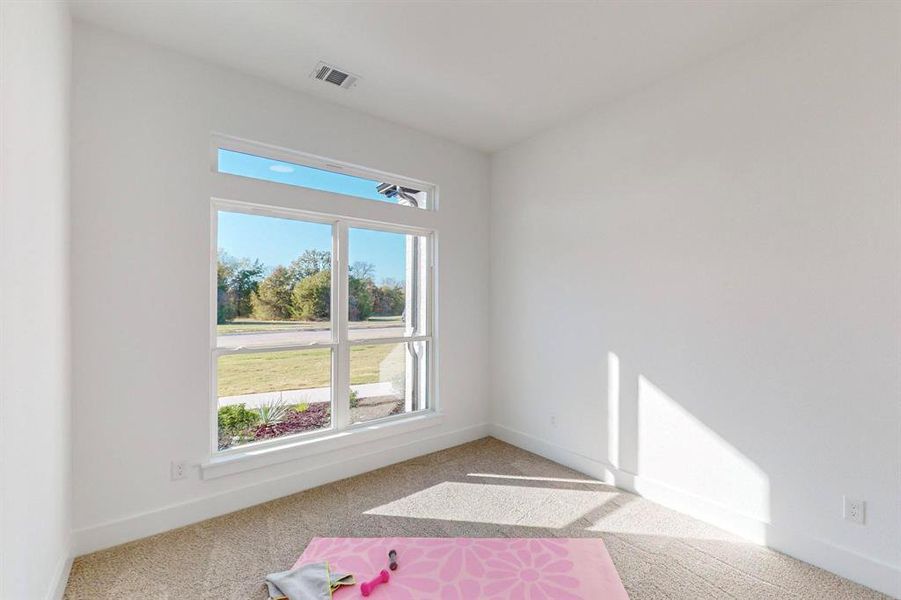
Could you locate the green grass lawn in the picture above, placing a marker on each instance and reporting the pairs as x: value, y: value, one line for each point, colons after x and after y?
x: 299, y: 369
x: 253, y: 326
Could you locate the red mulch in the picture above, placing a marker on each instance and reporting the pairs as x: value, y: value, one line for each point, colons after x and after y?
x: 316, y: 416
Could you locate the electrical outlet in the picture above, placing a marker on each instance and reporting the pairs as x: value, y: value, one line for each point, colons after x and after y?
x: 854, y: 510
x: 553, y: 420
x: 179, y: 469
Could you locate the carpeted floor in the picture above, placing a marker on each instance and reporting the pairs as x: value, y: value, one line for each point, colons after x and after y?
x: 482, y: 489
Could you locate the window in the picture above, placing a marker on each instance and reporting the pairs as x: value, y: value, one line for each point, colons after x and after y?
x: 318, y: 178
x: 386, y: 316
x: 305, y: 343
x: 387, y: 297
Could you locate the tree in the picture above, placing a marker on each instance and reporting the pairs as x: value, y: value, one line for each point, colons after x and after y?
x: 237, y: 280
x: 244, y: 282
x: 310, y: 263
x: 312, y: 297
x: 359, y: 298
x: 272, y: 299
x: 362, y: 270
x: 387, y: 299
x: 225, y: 309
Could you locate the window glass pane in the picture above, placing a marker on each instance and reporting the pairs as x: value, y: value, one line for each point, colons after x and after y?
x: 266, y: 395
x: 267, y: 169
x: 387, y: 379
x: 273, y: 281
x: 386, y: 291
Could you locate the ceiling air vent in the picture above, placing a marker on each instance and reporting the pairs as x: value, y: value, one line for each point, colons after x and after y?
x: 329, y: 74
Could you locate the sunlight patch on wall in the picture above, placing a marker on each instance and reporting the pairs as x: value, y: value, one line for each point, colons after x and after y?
x: 500, y: 504
x: 613, y: 424
x: 679, y: 450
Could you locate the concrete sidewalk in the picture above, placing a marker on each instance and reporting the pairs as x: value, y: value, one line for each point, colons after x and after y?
x: 322, y: 394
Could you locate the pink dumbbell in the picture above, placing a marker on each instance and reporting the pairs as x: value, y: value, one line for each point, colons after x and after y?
x: 367, y: 586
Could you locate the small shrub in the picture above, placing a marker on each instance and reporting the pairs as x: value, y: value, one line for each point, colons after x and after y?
x: 301, y: 407
x: 235, y: 418
x: 273, y: 411
x: 354, y: 399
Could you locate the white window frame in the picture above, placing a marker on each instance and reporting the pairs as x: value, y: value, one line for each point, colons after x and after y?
x: 234, y: 193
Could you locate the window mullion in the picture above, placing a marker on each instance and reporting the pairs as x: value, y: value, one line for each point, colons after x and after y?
x: 341, y: 386
x: 226, y: 350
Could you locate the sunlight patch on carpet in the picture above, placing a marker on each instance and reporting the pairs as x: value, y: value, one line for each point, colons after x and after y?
x: 500, y: 504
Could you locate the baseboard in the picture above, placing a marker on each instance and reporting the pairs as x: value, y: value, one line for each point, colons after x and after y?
x: 847, y: 563
x: 60, y: 578
x: 112, y: 533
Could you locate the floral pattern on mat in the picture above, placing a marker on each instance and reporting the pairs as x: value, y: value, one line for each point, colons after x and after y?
x: 469, y: 568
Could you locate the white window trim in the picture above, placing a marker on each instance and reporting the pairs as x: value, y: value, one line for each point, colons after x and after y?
x: 294, y: 202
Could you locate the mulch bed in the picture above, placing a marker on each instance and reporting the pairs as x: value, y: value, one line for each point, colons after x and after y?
x: 316, y: 416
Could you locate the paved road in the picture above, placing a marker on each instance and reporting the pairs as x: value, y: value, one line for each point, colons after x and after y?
x: 284, y: 338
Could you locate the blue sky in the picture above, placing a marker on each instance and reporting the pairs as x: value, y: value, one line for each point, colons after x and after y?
x: 257, y: 167
x: 279, y: 241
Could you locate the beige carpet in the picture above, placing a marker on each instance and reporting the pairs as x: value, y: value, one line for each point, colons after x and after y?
x: 483, y: 489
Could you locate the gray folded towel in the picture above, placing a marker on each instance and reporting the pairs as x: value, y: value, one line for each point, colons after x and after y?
x: 312, y: 581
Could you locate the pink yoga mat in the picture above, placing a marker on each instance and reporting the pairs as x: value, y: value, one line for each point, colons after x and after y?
x: 474, y: 568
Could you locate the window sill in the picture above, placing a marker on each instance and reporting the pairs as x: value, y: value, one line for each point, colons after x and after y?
x: 238, y: 462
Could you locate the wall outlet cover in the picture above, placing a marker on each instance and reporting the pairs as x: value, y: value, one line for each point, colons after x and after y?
x: 854, y: 510
x: 179, y: 470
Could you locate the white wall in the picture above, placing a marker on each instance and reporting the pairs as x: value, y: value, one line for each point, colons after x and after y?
x: 35, y: 455
x: 142, y: 118
x: 730, y: 238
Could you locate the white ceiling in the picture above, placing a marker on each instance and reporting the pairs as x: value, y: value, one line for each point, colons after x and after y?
x: 486, y: 74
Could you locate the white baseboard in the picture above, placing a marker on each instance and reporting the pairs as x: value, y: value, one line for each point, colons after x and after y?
x: 112, y: 533
x: 852, y: 565
x: 60, y: 578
